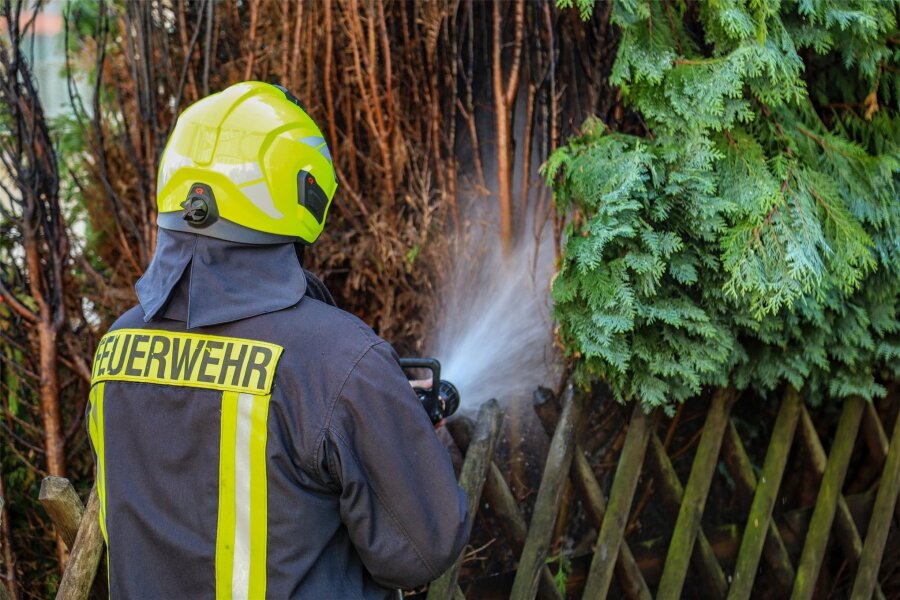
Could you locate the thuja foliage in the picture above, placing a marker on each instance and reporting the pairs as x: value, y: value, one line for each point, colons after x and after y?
x: 752, y: 237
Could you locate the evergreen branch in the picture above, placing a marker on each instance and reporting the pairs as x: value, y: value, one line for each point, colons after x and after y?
x: 840, y: 223
x: 730, y: 139
x: 806, y: 227
x: 821, y: 142
x: 851, y: 106
x: 778, y: 127
x: 698, y: 61
x: 671, y: 19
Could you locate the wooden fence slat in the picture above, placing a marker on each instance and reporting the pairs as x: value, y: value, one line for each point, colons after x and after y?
x: 514, y: 526
x: 846, y: 528
x: 630, y: 577
x: 611, y: 532
x: 827, y: 500
x: 877, y: 441
x: 775, y: 551
x: 546, y: 506
x: 880, y: 523
x: 702, y: 471
x: 759, y: 518
x: 874, y: 434
x: 582, y: 475
x: 844, y: 524
x: 670, y: 488
x: 63, y: 505
x: 85, y: 556
x: 472, y: 477
x: 506, y: 510
x: 725, y: 540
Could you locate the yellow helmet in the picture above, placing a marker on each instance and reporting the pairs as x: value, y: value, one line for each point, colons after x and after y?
x: 246, y: 165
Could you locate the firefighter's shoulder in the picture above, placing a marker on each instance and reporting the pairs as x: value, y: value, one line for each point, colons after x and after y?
x: 325, y: 326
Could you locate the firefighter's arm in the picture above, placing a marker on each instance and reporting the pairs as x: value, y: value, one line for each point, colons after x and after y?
x: 400, y: 501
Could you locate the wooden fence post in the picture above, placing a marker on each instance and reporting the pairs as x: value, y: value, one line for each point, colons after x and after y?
x: 844, y: 525
x: 759, y: 519
x: 631, y: 580
x: 474, y: 472
x: 880, y: 522
x: 64, y: 507
x: 877, y: 441
x: 827, y: 500
x: 611, y: 532
x: 546, y: 506
x: 505, y: 508
x: 775, y: 550
x: 702, y: 471
x: 85, y: 556
x: 514, y: 526
x: 630, y: 577
x: 703, y: 555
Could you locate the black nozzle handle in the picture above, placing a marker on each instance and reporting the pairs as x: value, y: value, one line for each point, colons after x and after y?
x: 432, y: 364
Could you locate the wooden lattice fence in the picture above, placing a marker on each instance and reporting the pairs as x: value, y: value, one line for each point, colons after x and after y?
x: 783, y: 557
x: 731, y: 561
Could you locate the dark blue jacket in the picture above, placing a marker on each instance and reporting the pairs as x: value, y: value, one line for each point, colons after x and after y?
x: 274, y: 449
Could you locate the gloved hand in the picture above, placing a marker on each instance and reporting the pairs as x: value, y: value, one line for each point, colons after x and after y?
x: 422, y: 383
x: 426, y: 384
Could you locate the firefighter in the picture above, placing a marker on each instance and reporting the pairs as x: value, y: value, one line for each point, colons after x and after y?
x: 251, y: 439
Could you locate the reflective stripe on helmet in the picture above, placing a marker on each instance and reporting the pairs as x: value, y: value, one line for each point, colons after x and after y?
x: 314, y: 140
x: 319, y: 144
x: 241, y: 174
x: 259, y: 195
x: 171, y: 162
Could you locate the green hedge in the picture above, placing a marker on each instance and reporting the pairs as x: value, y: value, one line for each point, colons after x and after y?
x: 752, y: 237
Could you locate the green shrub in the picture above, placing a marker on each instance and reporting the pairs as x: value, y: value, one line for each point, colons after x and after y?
x: 752, y: 237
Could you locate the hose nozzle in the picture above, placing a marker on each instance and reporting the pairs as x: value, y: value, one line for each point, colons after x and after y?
x: 447, y: 402
x: 442, y: 399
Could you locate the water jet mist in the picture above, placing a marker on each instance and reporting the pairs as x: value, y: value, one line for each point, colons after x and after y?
x: 495, y: 332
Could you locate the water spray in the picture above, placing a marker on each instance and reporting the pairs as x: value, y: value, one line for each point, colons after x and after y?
x: 494, y: 335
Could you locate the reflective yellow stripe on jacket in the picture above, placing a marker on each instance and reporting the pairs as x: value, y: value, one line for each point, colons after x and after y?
x: 244, y: 370
x: 95, y: 430
x: 186, y: 359
x: 241, y: 530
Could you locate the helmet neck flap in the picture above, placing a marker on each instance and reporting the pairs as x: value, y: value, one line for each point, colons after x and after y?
x: 205, y: 281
